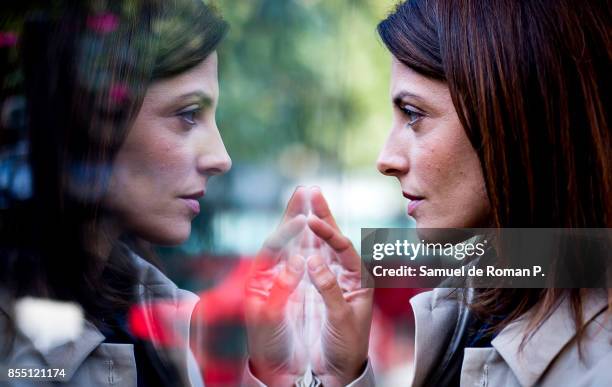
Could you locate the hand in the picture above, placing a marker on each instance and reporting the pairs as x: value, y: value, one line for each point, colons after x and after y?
x: 275, y: 357
x: 343, y: 347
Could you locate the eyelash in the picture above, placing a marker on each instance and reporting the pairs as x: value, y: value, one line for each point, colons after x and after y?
x: 409, y: 111
x: 189, y: 115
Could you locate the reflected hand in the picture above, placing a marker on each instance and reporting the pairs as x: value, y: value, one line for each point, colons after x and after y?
x: 343, y: 348
x: 275, y: 357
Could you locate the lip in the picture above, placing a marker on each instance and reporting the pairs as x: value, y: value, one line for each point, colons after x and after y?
x: 410, y: 196
x: 191, y: 200
x: 193, y: 204
x: 414, y: 203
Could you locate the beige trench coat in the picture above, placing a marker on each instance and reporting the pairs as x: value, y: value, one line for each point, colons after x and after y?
x: 89, y: 361
x: 549, y: 358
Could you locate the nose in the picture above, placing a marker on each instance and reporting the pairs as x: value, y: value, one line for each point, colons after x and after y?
x: 393, y: 160
x: 214, y: 160
x: 221, y: 164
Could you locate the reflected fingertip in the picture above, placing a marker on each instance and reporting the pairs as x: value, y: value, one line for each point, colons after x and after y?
x: 295, y: 263
x: 315, y: 263
x: 316, y: 224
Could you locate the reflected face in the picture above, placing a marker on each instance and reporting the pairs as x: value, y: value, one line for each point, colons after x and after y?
x: 173, y: 147
x: 430, y: 154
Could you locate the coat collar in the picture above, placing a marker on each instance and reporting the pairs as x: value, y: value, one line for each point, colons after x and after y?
x: 548, y: 340
x: 436, y: 313
x: 152, y: 285
x: 68, y: 356
x: 71, y: 355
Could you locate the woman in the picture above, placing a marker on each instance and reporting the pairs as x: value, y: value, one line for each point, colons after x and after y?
x: 500, y: 120
x: 121, y: 99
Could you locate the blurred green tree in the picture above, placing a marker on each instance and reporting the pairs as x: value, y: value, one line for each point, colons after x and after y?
x: 304, y: 72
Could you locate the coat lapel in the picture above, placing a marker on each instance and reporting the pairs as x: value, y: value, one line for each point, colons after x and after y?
x: 435, y: 314
x: 165, y: 311
x: 548, y: 340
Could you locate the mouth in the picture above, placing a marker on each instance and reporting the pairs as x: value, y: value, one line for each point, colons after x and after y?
x: 191, y: 200
x: 195, y: 195
x: 414, y: 203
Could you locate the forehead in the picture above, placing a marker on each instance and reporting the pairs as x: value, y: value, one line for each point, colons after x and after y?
x: 201, y: 77
x: 405, y: 79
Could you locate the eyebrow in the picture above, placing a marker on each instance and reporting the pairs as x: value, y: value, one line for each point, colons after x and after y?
x: 203, y: 97
x: 399, y: 97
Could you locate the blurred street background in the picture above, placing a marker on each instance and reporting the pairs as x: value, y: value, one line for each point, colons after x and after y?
x: 303, y: 100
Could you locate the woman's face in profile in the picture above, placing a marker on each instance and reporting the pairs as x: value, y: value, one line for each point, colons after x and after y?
x: 430, y: 154
x: 172, y: 148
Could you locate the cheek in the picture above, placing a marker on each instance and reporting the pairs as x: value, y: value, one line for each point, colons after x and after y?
x: 437, y: 163
x: 464, y: 173
x: 450, y: 171
x: 146, y: 180
x: 153, y: 167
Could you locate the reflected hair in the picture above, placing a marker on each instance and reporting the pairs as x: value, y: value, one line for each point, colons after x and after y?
x: 86, y: 66
x: 530, y: 83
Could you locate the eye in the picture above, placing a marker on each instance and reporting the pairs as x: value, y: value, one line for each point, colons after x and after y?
x: 413, y: 114
x: 189, y: 115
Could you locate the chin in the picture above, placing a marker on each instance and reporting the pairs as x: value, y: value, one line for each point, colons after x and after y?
x: 447, y: 229
x: 170, y: 236
x: 429, y: 233
x: 444, y: 235
x: 426, y: 223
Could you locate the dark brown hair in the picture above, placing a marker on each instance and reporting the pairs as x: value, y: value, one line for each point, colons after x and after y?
x: 530, y: 81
